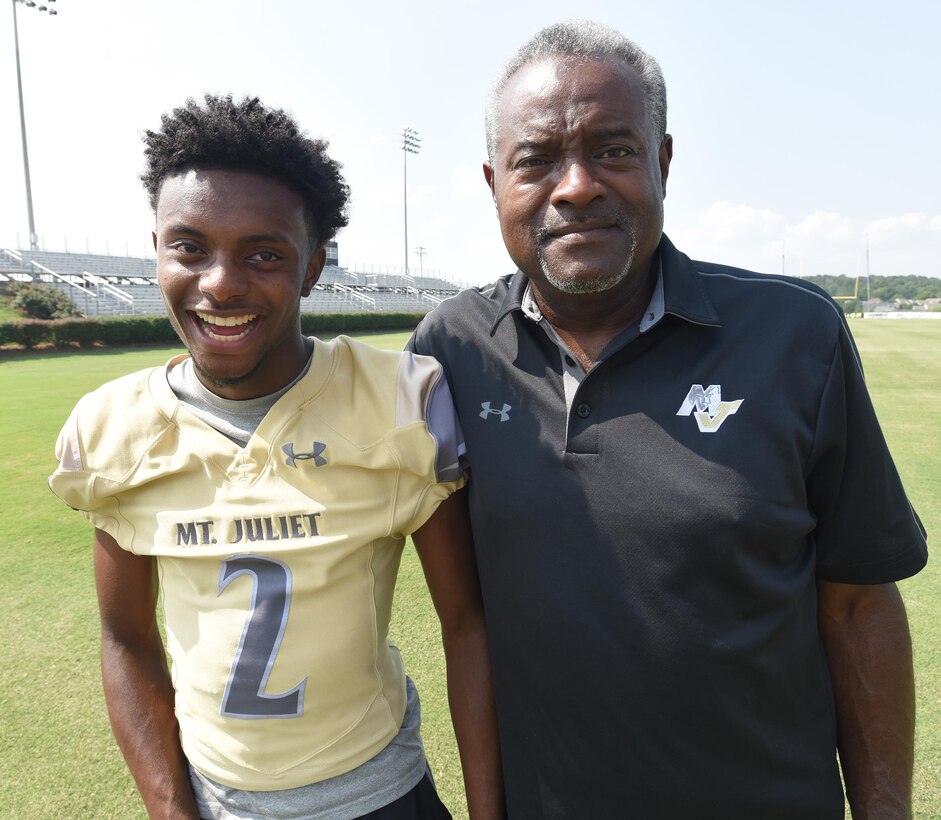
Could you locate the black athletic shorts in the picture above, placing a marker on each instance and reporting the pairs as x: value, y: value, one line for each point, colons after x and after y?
x: 421, y: 803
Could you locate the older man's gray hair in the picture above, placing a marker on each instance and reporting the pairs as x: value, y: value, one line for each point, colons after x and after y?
x: 583, y: 38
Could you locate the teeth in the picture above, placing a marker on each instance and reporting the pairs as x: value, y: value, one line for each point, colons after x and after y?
x: 226, y: 321
x: 234, y: 338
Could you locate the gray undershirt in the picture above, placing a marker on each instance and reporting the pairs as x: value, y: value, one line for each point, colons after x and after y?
x: 393, y: 772
x: 572, y: 371
x: 377, y: 782
x: 236, y: 420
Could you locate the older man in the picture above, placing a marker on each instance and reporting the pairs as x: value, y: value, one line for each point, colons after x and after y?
x: 687, y: 522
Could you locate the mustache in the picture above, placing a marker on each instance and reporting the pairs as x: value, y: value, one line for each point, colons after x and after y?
x: 556, y: 223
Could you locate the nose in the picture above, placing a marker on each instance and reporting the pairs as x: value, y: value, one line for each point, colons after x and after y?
x: 223, y: 281
x: 578, y: 185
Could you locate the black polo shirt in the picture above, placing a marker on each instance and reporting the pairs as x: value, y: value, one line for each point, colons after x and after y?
x: 648, y: 553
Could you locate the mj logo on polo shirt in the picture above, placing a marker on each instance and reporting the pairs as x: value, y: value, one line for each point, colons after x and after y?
x: 710, y: 410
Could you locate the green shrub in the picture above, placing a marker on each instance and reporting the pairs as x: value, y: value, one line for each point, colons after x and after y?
x: 9, y: 334
x: 32, y: 332
x: 129, y: 330
x: 84, y: 332
x: 42, y: 301
x: 124, y: 331
x: 324, y: 323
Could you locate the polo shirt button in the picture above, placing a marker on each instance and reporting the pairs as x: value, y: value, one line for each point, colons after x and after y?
x: 583, y: 410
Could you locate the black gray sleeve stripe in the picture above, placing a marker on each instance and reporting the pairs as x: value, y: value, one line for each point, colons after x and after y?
x: 444, y: 426
x: 770, y: 280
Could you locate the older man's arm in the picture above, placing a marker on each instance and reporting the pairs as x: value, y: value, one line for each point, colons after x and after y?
x: 865, y: 633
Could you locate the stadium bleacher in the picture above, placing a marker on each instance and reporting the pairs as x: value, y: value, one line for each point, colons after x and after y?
x: 100, y: 285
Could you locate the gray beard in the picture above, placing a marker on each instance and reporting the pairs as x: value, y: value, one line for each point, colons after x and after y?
x: 573, y: 284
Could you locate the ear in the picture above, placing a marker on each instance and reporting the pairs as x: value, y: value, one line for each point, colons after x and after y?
x: 153, y: 235
x: 666, y: 155
x: 314, y: 268
x: 489, y: 176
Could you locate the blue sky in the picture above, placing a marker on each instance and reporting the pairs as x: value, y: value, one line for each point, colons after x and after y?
x: 799, y: 128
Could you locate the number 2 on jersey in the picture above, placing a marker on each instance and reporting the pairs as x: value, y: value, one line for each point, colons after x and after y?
x: 245, y: 695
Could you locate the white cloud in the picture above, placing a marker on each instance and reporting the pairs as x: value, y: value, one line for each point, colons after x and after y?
x: 822, y: 227
x: 726, y: 222
x: 823, y: 242
x: 764, y: 240
x: 736, y: 234
x: 889, y: 229
x: 906, y: 244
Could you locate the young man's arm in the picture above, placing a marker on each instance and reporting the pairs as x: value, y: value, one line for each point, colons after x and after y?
x: 136, y: 680
x: 446, y: 550
x: 869, y: 651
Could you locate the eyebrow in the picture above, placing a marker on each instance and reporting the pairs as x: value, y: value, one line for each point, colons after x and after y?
x: 185, y: 229
x: 265, y: 237
x: 256, y: 237
x: 523, y: 144
x: 538, y: 143
x: 617, y: 133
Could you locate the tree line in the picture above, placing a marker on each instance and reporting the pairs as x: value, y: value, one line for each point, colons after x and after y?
x: 882, y: 288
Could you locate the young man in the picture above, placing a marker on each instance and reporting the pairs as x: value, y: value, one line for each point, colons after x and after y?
x: 264, y: 483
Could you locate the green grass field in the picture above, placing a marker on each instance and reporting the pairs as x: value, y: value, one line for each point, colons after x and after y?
x: 57, y: 756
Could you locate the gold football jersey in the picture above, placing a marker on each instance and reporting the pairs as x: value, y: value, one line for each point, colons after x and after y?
x: 277, y: 561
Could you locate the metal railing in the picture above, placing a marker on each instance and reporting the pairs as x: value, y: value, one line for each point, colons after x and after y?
x: 431, y: 297
x: 108, y: 288
x: 355, y: 295
x: 88, y: 279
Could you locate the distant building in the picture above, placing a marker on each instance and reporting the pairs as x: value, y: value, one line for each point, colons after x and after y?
x: 333, y: 253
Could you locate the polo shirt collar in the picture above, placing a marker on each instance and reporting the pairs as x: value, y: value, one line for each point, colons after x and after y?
x: 652, y: 315
x: 679, y: 286
x: 513, y: 299
x: 683, y: 292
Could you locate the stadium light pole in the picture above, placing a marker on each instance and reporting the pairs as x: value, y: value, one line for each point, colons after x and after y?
x: 33, y: 238
x: 410, y: 145
x: 421, y: 251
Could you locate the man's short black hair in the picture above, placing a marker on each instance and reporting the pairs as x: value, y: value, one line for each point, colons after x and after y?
x: 247, y: 136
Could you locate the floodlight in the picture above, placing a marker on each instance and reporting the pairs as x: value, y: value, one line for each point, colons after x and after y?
x: 30, y: 4
x: 410, y: 145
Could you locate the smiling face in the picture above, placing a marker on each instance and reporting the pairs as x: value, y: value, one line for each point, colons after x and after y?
x: 233, y: 259
x: 579, y: 175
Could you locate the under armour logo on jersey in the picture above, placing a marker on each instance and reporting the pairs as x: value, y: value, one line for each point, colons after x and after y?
x: 503, y: 413
x: 315, y: 454
x: 710, y: 410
